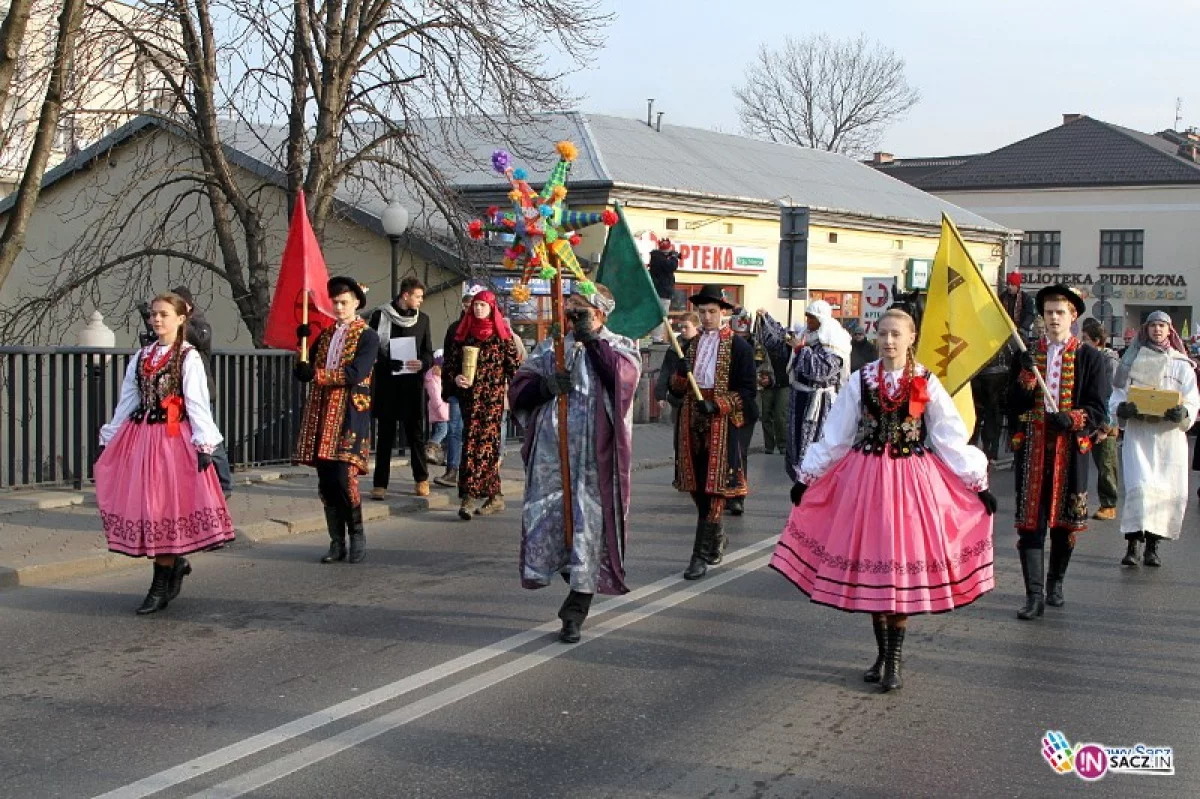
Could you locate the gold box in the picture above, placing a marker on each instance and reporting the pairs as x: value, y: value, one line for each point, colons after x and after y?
x: 1154, y: 401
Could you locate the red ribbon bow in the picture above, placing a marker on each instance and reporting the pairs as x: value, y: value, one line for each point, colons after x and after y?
x: 174, y: 407
x: 918, y: 397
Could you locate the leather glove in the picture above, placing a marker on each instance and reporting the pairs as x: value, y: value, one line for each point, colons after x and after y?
x: 1061, y: 420
x: 203, y: 461
x: 708, y: 407
x: 1127, y: 410
x: 558, y: 383
x: 798, y: 490
x: 989, y: 501
x: 303, y: 331
x: 304, y: 372
x: 1176, y: 414
x: 1026, y: 360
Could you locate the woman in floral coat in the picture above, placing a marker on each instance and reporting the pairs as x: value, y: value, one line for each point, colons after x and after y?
x: 481, y: 401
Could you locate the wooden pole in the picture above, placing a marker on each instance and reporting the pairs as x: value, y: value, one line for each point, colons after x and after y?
x: 679, y: 351
x: 304, y: 321
x: 560, y: 363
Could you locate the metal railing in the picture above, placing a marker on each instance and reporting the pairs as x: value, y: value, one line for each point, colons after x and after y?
x: 54, y: 400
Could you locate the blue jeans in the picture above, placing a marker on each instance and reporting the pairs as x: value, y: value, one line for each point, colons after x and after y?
x: 454, y: 436
x: 438, y: 431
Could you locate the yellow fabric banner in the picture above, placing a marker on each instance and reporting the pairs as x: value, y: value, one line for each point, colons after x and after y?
x: 964, y: 325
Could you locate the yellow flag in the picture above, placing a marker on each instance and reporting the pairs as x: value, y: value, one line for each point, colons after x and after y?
x: 964, y: 325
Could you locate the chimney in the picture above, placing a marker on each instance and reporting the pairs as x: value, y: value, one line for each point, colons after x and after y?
x: 658, y: 127
x: 650, y: 112
x: 1191, y: 151
x: 1069, y: 118
x: 882, y: 159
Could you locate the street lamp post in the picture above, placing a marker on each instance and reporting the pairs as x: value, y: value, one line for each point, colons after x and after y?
x: 395, y: 222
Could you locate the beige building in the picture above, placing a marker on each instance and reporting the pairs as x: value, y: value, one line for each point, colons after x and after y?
x: 108, y: 83
x: 1108, y: 210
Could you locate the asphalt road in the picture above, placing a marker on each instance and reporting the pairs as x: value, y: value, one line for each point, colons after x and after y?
x: 428, y: 672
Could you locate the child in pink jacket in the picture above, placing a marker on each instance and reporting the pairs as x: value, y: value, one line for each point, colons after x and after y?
x: 438, y: 410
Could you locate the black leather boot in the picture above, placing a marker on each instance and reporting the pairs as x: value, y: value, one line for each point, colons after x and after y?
x: 157, y: 598
x: 1033, y: 565
x: 1059, y: 558
x: 180, y: 570
x: 875, y: 673
x: 337, y: 535
x: 891, y: 667
x: 358, y: 536
x: 737, y: 506
x: 698, y: 566
x: 573, y: 612
x: 1131, y: 550
x: 1151, y: 558
x: 714, y: 543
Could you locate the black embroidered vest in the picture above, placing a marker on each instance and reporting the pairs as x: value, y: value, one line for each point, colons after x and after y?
x: 154, y: 390
x: 880, y: 431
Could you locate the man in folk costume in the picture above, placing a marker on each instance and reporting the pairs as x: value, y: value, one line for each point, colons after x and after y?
x: 709, y: 463
x: 1155, y: 452
x: 1052, y: 441
x: 335, y: 432
x: 601, y: 377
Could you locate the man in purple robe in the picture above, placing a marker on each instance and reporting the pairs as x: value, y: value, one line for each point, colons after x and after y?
x: 600, y: 379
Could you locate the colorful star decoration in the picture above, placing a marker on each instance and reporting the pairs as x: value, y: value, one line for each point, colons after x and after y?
x: 542, y: 227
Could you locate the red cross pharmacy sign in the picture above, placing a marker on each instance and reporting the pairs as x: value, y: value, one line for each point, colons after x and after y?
x: 876, y: 297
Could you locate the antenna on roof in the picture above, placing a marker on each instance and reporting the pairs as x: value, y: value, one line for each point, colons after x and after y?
x: 1178, y: 113
x: 650, y: 112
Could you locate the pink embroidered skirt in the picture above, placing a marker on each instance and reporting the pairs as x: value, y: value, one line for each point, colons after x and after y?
x: 152, y: 500
x: 888, y: 535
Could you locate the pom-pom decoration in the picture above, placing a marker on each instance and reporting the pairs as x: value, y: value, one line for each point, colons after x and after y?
x: 567, y: 150
x: 547, y: 273
x: 475, y: 229
x: 558, y: 193
x: 609, y: 218
x: 493, y: 211
x: 575, y: 239
x: 509, y: 263
x: 521, y: 293
x: 520, y: 174
x: 586, y: 287
x: 500, y: 161
x: 545, y: 210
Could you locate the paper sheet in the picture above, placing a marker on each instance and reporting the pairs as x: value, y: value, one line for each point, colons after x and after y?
x: 401, y: 349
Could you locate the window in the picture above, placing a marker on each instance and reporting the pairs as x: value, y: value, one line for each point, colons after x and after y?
x: 110, y: 61
x: 833, y: 238
x: 672, y: 223
x: 728, y: 228
x: 1041, y: 248
x: 64, y: 134
x: 1121, y: 249
x: 898, y: 244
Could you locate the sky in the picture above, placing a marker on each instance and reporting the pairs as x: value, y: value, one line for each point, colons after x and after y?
x: 990, y: 73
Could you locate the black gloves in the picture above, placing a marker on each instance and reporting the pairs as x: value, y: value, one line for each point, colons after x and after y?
x: 304, y: 372
x: 683, y: 368
x: 798, y: 493
x: 558, y: 383
x: 1061, y: 420
x: 303, y: 331
x: 707, y: 408
x: 203, y: 461
x: 1176, y: 414
x: 989, y: 501
x: 1127, y: 410
x: 674, y: 400
x: 1026, y: 360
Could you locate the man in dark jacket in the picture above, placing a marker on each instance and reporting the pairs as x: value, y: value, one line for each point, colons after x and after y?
x: 663, y: 263
x: 1020, y: 306
x: 398, y: 386
x: 862, y: 351
x: 200, y: 335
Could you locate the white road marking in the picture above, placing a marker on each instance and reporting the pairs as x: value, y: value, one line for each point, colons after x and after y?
x: 311, y: 755
x: 222, y: 757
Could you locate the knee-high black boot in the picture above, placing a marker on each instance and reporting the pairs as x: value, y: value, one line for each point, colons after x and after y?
x: 879, y: 624
x: 1033, y: 567
x: 714, y: 543
x: 157, y: 598
x: 1060, y: 556
x: 358, y: 535
x: 698, y: 566
x: 336, y: 523
x: 891, y: 668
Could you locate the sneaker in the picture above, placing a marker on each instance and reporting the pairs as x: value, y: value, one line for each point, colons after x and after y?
x: 378, y: 494
x: 433, y: 454
x: 493, y: 505
x: 1105, y: 514
x: 466, y: 509
x: 423, y: 488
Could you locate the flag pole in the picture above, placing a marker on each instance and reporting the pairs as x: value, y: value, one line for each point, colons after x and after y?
x: 679, y: 352
x: 304, y: 322
x: 560, y: 363
x: 1012, y: 327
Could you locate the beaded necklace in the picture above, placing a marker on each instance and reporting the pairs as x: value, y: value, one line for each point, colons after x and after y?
x: 151, y: 364
x: 892, y: 404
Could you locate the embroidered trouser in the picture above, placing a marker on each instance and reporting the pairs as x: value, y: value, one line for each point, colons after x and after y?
x: 337, y: 484
x: 709, y: 506
x: 1062, y: 540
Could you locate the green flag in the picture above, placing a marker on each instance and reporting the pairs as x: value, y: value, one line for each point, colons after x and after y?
x: 622, y: 270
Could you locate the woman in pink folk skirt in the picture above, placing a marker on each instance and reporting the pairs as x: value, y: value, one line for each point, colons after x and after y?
x: 896, y: 516
x: 158, y: 495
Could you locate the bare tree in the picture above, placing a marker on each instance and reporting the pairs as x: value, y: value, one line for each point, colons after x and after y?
x: 370, y: 98
x: 836, y: 95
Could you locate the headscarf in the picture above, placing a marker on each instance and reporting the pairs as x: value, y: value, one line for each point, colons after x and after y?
x: 830, y: 334
x: 483, y: 329
x: 1143, y: 341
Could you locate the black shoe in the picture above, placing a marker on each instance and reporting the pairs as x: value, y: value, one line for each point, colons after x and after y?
x: 875, y: 673
x: 157, y: 598
x: 1151, y: 557
x: 358, y: 536
x: 737, y: 506
x: 180, y: 570
x: 696, y: 569
x: 570, y: 632
x: 1054, y: 594
x: 1131, y: 553
x: 1033, y: 565
x: 337, y: 535
x: 891, y: 680
x: 713, y: 543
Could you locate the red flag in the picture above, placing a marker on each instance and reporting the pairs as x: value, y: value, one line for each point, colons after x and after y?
x: 302, y: 274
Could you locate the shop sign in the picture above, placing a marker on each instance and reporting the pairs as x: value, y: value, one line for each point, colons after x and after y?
x: 876, y: 297
x: 916, y: 275
x: 1123, y: 286
x: 720, y: 258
